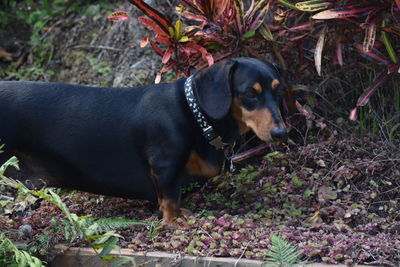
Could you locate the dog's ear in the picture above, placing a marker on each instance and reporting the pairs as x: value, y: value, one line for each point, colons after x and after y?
x: 212, y: 89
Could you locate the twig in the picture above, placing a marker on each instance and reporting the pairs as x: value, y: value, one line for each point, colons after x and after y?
x: 206, y: 232
x: 244, y: 250
x: 96, y: 47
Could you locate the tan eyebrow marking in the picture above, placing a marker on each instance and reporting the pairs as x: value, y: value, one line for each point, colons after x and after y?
x: 257, y: 87
x: 274, y: 83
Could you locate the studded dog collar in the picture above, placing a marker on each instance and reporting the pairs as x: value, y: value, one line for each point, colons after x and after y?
x: 208, y: 131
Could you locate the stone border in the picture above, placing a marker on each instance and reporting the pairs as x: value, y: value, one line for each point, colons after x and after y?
x: 86, y: 257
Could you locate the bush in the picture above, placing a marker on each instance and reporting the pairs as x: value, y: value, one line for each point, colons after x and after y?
x: 215, y: 30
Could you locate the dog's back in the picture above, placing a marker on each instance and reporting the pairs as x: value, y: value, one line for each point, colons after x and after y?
x: 62, y: 133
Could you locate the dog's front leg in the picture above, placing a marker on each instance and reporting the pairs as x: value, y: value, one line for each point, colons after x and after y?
x: 167, y: 178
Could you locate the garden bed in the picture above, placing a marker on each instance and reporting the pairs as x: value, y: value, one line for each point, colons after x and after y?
x: 337, y: 200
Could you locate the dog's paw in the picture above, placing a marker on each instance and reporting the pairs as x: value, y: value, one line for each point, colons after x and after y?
x: 176, y: 223
x: 186, y: 212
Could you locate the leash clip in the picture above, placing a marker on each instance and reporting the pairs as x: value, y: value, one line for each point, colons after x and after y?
x: 217, y: 143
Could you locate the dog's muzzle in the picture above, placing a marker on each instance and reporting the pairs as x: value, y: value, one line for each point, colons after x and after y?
x: 279, y: 133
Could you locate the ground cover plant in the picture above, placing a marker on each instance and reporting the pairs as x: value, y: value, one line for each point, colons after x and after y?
x: 97, y: 233
x: 337, y: 200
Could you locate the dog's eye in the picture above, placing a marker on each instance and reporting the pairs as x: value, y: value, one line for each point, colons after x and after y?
x: 250, y: 94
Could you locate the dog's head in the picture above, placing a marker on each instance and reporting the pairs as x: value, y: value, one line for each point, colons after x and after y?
x: 249, y: 89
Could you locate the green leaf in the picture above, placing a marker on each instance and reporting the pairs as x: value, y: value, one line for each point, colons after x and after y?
x: 108, y: 257
x: 13, y: 162
x: 123, y: 260
x: 388, y: 45
x: 266, y: 33
x: 110, y: 245
x: 184, y: 39
x: 248, y: 34
x: 314, y: 5
x: 178, y: 30
x: 288, y: 4
x: 282, y: 253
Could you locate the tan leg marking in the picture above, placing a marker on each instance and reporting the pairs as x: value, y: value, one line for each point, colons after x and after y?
x: 170, y: 209
x: 198, y: 166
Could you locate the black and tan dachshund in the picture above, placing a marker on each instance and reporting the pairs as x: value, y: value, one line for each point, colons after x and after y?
x: 138, y: 142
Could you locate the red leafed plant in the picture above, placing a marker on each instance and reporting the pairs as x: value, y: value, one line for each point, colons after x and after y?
x: 222, y: 28
x: 175, y: 40
x: 363, y: 25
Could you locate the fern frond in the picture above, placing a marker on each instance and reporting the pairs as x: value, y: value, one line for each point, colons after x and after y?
x: 108, y: 224
x: 282, y: 253
x: 10, y: 255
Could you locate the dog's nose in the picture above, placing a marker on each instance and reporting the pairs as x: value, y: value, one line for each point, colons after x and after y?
x: 278, y: 133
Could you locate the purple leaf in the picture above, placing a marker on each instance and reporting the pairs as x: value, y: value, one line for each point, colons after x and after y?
x: 364, y: 97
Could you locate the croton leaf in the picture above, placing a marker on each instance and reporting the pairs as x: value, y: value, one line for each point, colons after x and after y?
x: 287, y: 3
x: 260, y: 8
x: 379, y: 80
x: 191, y: 4
x: 303, y: 26
x: 314, y: 5
x: 345, y: 12
x: 248, y: 34
x: 183, y: 39
x: 318, y: 52
x: 369, y: 38
x: 160, y: 19
x: 373, y: 55
x: 178, y: 30
x: 259, y: 18
x: 238, y: 5
x: 339, y: 51
x: 194, y: 17
x: 169, y: 66
x: 156, y: 48
x: 389, y: 47
x: 167, y: 54
x: 265, y: 32
x: 152, y: 25
x: 301, y: 109
x: 162, y: 39
x: 144, y: 41
x: 118, y: 16
x: 221, y: 5
x: 353, y: 114
x: 393, y: 29
x: 158, y: 78
x: 204, y: 54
